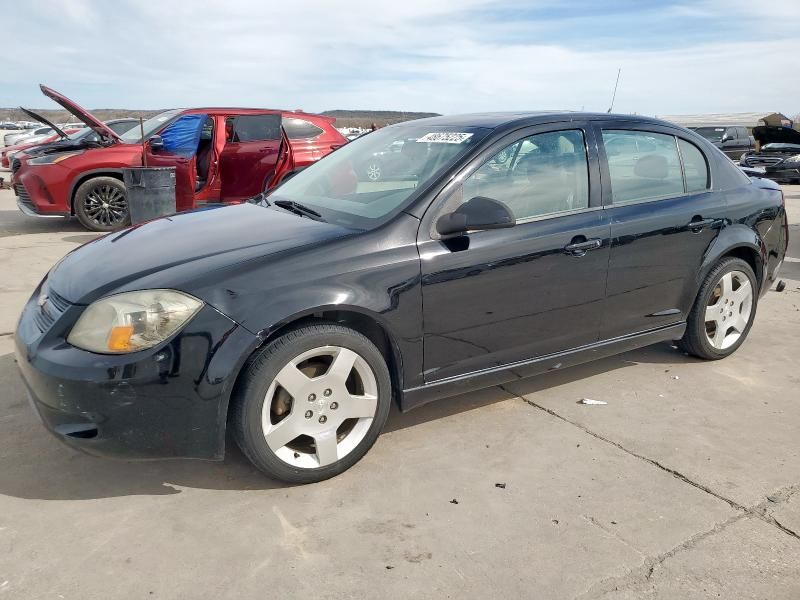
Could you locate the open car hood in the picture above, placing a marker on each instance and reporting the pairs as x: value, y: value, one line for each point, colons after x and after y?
x: 41, y: 119
x: 80, y: 113
x: 773, y: 135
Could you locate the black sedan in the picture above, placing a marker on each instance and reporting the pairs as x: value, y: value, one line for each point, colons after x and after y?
x: 517, y: 246
x: 778, y: 155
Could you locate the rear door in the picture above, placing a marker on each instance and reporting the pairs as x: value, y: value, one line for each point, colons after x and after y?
x: 498, y: 296
x: 309, y: 140
x: 663, y: 218
x: 251, y: 154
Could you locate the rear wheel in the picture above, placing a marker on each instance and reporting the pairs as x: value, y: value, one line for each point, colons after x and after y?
x: 312, y: 403
x: 101, y: 204
x: 723, y: 311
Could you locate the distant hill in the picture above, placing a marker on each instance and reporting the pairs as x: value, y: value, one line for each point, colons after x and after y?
x: 365, y: 118
x: 62, y: 116
x: 344, y: 118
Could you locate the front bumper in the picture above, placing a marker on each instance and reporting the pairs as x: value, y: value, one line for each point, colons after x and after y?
x: 166, y: 402
x: 27, y: 207
x: 781, y: 172
x: 40, y: 190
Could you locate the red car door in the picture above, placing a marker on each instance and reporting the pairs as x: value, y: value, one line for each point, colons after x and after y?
x: 176, y: 146
x: 254, y: 154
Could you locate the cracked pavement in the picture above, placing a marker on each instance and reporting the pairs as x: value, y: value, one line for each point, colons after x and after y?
x: 686, y: 484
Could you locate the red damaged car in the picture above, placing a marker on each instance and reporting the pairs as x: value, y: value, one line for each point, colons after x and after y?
x: 220, y: 155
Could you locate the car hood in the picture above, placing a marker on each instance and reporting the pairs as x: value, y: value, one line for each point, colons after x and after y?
x: 28, y: 142
x: 80, y: 113
x: 41, y: 119
x: 772, y: 135
x: 174, y: 252
x: 40, y: 149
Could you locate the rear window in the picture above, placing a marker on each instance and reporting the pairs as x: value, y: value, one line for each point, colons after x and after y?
x: 298, y: 129
x: 249, y: 128
x: 712, y: 134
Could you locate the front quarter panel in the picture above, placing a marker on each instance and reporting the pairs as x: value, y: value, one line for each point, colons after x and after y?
x: 376, y: 274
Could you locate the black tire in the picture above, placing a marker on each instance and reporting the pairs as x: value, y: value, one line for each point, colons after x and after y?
x: 88, y: 204
x: 695, y: 341
x: 261, y: 370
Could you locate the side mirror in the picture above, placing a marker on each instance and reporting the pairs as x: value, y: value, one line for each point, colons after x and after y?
x: 478, y: 213
x: 156, y: 143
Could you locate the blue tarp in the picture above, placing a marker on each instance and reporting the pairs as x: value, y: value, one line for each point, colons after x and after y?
x: 183, y: 136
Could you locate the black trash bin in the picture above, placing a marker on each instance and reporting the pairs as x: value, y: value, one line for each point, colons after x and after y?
x: 150, y: 191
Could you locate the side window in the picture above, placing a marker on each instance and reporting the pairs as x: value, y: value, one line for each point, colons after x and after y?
x: 300, y: 129
x: 652, y: 171
x: 182, y: 135
x: 743, y: 135
x: 695, y: 166
x: 250, y: 128
x: 730, y: 132
x: 539, y: 175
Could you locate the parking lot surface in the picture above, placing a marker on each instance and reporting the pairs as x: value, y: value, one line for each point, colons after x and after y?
x: 686, y: 484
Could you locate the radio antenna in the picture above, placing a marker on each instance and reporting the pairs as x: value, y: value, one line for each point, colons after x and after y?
x: 614, y: 96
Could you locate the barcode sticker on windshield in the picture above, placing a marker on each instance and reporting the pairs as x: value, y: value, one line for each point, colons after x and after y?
x: 445, y: 137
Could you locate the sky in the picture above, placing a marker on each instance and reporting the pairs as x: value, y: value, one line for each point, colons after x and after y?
x: 446, y: 56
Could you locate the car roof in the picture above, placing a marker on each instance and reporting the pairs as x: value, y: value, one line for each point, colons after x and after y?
x: 245, y: 111
x: 496, y: 120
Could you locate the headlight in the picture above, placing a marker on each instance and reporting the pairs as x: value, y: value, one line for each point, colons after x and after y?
x: 132, y: 321
x: 794, y: 159
x: 49, y: 159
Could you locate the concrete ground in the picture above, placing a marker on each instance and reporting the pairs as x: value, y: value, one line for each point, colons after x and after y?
x: 685, y: 485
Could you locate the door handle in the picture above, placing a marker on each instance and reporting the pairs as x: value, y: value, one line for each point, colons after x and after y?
x: 336, y: 146
x: 581, y: 248
x: 697, y: 224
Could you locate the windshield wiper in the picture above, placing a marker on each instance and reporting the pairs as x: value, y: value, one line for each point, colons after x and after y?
x: 298, y: 209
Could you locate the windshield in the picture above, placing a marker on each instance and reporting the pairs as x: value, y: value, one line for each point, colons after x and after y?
x: 368, y: 181
x: 80, y: 134
x: 151, y: 125
x: 712, y: 134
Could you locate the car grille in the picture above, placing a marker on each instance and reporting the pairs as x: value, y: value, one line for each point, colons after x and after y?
x: 763, y: 161
x: 46, y: 314
x: 15, y: 165
x: 24, y: 196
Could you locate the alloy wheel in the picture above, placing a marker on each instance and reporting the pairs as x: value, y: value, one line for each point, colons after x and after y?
x: 106, y: 205
x: 319, y: 407
x: 728, y: 310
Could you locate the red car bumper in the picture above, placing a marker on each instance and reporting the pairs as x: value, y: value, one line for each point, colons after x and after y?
x: 40, y: 191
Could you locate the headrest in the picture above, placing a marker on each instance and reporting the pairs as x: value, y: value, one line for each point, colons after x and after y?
x: 652, y: 166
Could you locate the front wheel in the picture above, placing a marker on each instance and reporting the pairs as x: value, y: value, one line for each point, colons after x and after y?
x: 723, y: 312
x: 312, y: 403
x: 101, y: 204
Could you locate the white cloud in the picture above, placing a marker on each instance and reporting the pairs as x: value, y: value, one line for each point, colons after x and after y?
x: 414, y: 55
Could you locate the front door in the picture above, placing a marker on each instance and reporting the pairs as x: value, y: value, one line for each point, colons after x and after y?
x: 251, y: 154
x: 180, y: 142
x: 663, y: 219
x: 499, y: 296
